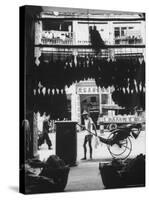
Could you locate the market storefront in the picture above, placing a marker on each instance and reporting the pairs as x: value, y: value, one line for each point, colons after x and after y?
x: 85, y: 95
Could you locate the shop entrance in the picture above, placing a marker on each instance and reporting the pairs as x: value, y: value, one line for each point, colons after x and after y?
x: 90, y: 103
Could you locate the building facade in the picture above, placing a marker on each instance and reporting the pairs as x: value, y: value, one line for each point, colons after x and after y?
x: 59, y: 33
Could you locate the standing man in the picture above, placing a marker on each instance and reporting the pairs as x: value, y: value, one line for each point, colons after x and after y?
x: 88, y: 125
x: 45, y: 136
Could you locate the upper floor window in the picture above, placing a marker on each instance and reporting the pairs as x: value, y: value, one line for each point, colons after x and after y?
x: 123, y: 31
x: 120, y: 31
x: 127, y: 35
x: 57, y: 26
x: 117, y: 31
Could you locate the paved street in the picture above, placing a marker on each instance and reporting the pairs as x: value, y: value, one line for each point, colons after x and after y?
x: 101, y: 152
x: 86, y: 176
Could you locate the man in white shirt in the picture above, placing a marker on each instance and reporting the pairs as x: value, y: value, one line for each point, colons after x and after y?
x: 88, y: 125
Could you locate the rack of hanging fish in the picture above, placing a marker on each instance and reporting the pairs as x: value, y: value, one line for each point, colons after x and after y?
x: 126, y: 74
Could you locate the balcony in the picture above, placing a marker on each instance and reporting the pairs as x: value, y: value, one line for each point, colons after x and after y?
x: 54, y: 37
x: 128, y: 40
x: 57, y: 37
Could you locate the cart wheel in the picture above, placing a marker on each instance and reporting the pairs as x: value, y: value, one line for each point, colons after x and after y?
x: 121, y: 150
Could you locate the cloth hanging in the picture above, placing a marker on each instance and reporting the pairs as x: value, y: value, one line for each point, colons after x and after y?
x: 96, y: 40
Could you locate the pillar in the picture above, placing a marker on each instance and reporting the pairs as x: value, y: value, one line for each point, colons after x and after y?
x: 75, y: 27
x: 78, y: 109
x: 111, y: 33
x: 38, y: 32
x: 100, y: 105
x: 73, y: 107
x: 35, y: 136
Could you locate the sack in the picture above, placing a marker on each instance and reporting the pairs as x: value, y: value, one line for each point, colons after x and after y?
x: 56, y: 170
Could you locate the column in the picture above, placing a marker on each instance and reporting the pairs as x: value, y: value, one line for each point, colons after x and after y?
x: 74, y: 32
x: 78, y: 109
x: 100, y: 105
x: 38, y: 32
x: 35, y: 136
x: 111, y: 32
x: 73, y: 108
x: 110, y: 112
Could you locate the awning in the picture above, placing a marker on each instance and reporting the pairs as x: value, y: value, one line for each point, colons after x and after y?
x: 112, y: 107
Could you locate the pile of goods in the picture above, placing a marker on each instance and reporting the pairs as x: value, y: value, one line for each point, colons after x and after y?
x: 49, y: 176
x: 131, y: 173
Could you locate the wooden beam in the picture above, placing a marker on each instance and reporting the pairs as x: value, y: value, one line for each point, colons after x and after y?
x: 63, y: 18
x: 89, y: 46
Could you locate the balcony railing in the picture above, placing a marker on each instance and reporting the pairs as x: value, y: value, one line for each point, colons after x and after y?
x: 88, y: 42
x: 62, y: 38
x: 128, y: 40
x: 83, y: 42
x: 56, y: 41
x: 69, y: 38
x: 57, y: 38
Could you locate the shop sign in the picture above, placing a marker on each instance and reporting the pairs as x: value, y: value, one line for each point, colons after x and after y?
x: 90, y: 90
x: 121, y: 119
